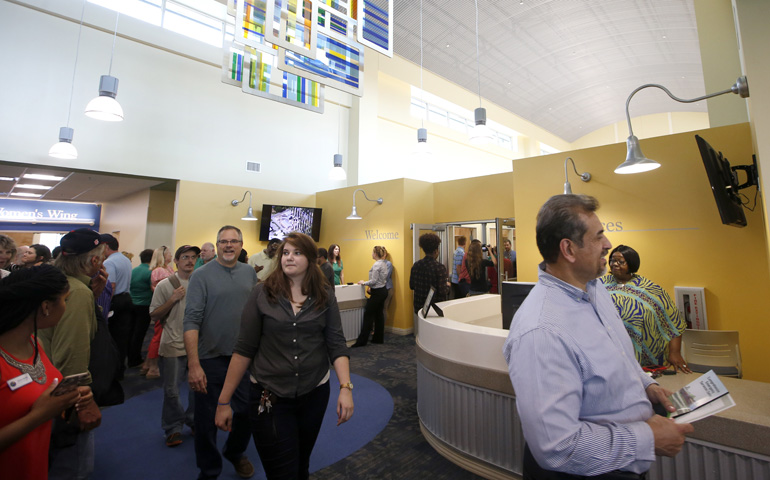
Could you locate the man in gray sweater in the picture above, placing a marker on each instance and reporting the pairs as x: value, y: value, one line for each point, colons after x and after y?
x: 215, y: 298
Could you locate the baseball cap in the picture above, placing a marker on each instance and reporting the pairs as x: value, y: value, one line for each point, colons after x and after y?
x: 186, y: 248
x: 81, y: 240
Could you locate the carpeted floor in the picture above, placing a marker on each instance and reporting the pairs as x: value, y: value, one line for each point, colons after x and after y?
x: 132, y: 431
x: 399, y: 451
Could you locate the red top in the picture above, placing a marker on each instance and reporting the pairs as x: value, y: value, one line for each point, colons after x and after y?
x: 26, y: 459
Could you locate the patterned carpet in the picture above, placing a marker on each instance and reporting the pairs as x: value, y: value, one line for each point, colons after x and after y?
x: 399, y: 451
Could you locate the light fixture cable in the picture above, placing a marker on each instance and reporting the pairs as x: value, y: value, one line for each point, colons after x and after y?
x: 114, y: 39
x: 478, y: 68
x: 75, y: 67
x: 422, y: 92
x: 64, y: 149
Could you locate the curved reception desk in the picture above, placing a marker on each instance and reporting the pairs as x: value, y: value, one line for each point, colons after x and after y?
x: 351, y: 300
x: 467, y: 409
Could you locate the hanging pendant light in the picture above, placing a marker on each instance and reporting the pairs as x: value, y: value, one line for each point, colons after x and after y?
x: 105, y: 107
x: 337, y: 173
x: 64, y: 149
x: 480, y: 134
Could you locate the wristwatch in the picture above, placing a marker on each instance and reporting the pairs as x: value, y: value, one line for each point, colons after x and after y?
x: 348, y: 385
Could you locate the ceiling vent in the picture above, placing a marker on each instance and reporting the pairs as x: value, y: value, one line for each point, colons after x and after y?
x: 254, y: 167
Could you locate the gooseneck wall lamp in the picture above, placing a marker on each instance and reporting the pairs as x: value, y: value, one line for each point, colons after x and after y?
x: 636, y: 162
x: 354, y: 215
x: 105, y: 107
x: 64, y: 149
x: 585, y: 176
x: 249, y: 217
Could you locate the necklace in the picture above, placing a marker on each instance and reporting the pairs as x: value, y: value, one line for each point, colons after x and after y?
x: 36, y: 371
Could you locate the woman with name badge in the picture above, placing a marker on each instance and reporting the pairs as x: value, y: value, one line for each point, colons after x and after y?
x: 33, y: 298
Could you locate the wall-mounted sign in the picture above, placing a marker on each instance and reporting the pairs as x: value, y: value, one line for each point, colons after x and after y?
x: 44, y: 216
x: 691, y: 302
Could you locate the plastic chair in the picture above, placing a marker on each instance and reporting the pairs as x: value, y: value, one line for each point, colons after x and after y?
x: 716, y: 350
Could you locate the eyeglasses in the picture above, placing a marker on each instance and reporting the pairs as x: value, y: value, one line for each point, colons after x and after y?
x: 188, y: 257
x: 621, y: 263
x: 229, y: 242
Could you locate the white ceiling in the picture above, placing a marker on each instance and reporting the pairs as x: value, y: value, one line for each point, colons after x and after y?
x: 79, y: 186
x: 565, y: 65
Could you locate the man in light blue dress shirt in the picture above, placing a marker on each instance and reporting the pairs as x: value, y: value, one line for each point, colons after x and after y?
x: 585, y: 404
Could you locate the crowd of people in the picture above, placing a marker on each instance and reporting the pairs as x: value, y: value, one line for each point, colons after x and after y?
x: 81, y: 320
x: 255, y: 337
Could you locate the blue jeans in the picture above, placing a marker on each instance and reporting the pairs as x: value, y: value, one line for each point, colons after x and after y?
x: 285, y: 435
x: 207, y: 455
x: 75, y: 462
x: 173, y: 371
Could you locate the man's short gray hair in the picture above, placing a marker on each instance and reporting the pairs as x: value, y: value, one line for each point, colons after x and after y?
x: 559, y: 218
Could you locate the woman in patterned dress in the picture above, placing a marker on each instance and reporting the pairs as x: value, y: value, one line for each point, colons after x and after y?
x: 651, y: 318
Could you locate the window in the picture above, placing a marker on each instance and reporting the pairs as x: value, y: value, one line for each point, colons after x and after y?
x: 193, y: 24
x: 456, y: 122
x: 547, y: 149
x: 437, y: 115
x: 418, y: 109
x: 149, y: 11
x: 203, y: 20
x: 442, y: 112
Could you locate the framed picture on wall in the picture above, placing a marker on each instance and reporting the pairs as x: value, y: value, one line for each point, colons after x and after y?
x: 691, y: 303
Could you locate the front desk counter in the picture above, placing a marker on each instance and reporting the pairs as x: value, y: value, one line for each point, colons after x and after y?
x: 351, y: 300
x: 467, y: 412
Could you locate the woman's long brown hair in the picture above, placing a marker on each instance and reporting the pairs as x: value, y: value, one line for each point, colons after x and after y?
x: 278, y: 285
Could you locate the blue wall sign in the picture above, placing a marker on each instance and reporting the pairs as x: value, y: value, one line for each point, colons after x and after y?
x: 45, y: 216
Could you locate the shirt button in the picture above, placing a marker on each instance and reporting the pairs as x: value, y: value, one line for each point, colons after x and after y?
x: 295, y: 357
x: 295, y: 340
x: 296, y: 374
x: 295, y: 324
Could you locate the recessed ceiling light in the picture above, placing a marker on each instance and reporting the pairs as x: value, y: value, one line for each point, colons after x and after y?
x: 33, y: 187
x: 25, y: 194
x: 37, y: 176
x: 447, y: 45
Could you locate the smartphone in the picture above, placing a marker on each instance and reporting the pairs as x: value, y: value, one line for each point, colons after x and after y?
x: 69, y: 384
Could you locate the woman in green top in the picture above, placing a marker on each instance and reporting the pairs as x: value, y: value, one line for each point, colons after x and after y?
x: 336, y: 261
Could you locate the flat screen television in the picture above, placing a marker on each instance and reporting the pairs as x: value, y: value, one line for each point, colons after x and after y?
x: 278, y: 221
x: 724, y: 183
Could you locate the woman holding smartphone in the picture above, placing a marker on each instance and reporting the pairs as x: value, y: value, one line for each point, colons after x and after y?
x: 32, y: 298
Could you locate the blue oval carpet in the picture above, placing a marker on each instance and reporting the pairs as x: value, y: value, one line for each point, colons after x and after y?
x: 130, y: 443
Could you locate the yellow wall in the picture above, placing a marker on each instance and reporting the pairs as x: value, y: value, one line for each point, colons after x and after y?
x: 380, y: 225
x: 203, y: 208
x: 669, y: 216
x: 479, y: 198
